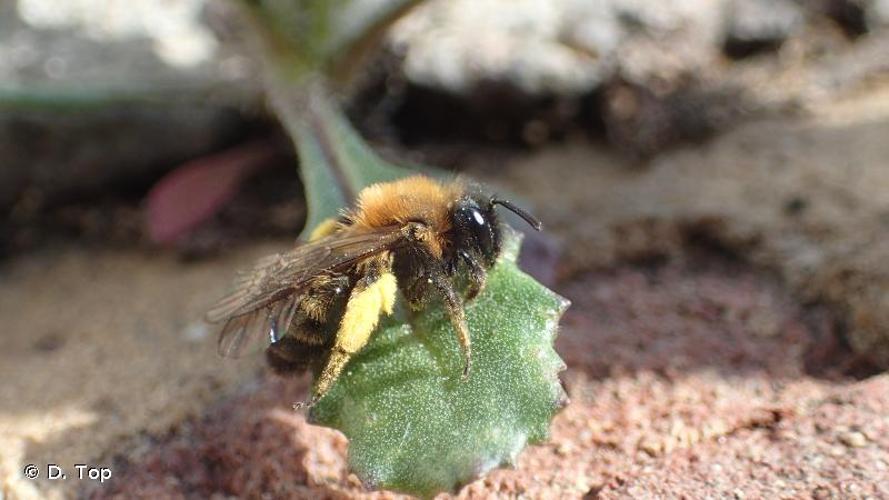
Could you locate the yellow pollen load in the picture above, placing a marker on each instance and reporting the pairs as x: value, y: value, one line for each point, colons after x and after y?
x: 363, y: 313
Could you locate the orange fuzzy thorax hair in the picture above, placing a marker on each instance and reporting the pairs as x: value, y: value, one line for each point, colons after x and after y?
x: 409, y: 199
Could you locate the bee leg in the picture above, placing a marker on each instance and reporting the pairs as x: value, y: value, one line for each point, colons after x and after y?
x: 416, y: 290
x: 372, y: 295
x: 457, y: 316
x: 477, y: 275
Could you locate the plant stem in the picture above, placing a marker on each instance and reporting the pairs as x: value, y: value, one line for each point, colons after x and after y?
x: 299, y: 77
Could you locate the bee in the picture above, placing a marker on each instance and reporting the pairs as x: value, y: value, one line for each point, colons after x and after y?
x: 318, y: 304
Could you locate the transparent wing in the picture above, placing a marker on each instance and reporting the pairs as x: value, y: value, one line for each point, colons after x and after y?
x: 243, y: 332
x: 264, y: 300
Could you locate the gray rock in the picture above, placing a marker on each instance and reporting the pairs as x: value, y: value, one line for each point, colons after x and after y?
x: 560, y: 47
x: 877, y: 14
x: 97, y: 91
x: 756, y: 25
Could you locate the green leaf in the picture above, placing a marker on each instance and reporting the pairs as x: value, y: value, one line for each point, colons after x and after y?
x: 413, y: 424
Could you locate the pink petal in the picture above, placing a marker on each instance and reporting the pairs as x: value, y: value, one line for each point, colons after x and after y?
x: 194, y: 191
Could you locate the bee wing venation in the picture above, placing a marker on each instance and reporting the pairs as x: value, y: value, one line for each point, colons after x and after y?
x: 264, y: 300
x: 283, y: 318
x: 241, y: 332
x: 238, y: 332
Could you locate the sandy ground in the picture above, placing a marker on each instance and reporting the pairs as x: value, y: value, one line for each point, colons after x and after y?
x: 100, y: 349
x: 709, y: 288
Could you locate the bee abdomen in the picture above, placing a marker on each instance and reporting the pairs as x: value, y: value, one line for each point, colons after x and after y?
x: 291, y: 356
x: 304, y: 346
x: 312, y: 330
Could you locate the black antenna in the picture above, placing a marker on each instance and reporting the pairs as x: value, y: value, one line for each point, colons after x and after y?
x: 530, y: 219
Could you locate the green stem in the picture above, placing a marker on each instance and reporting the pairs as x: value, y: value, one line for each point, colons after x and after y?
x: 336, y: 163
x: 301, y: 109
x: 332, y: 37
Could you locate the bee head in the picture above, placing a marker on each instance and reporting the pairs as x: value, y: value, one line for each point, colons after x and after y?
x: 477, y: 228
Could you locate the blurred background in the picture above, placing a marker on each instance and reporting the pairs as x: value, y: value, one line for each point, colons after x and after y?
x: 712, y: 174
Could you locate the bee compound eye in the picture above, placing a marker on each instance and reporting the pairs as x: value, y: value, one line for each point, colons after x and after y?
x: 482, y: 230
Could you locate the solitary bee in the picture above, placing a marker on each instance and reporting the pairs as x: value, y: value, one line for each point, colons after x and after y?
x: 321, y: 301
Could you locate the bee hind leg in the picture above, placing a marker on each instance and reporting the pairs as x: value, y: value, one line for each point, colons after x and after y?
x: 373, y: 295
